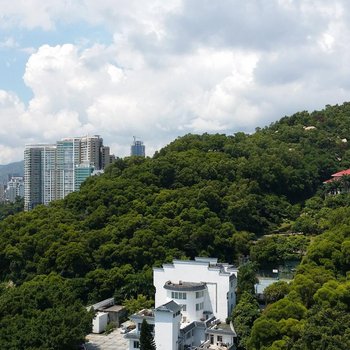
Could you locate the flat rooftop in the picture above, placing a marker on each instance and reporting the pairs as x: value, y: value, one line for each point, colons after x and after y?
x: 184, y: 286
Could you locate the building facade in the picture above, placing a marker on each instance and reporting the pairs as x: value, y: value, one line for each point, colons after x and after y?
x: 39, y: 175
x: 192, y: 302
x: 2, y: 193
x: 53, y: 171
x: 138, y: 149
x: 15, y: 188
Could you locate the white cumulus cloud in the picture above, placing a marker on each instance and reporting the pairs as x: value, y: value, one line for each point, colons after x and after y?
x: 172, y: 67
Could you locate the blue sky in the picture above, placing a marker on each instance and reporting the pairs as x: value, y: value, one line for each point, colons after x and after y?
x: 161, y: 69
x: 19, y: 44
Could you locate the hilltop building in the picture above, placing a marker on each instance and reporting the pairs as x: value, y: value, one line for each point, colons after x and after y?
x: 138, y: 148
x: 106, y: 311
x: 52, y: 171
x: 337, y: 184
x: 192, y: 301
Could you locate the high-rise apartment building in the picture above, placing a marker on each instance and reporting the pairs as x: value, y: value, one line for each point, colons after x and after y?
x: 138, y: 148
x: 39, y: 175
x: 82, y: 172
x: 53, y: 171
x: 2, y: 193
x: 15, y: 188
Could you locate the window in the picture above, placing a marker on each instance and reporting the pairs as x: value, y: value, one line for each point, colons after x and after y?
x: 136, y: 344
x: 219, y: 338
x: 178, y: 295
x: 200, y: 294
x: 199, y: 306
x: 184, y: 307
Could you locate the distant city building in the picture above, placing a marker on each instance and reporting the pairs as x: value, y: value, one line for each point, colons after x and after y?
x: 15, y: 188
x: 138, y: 148
x: 82, y: 172
x: 2, y: 193
x: 52, y: 171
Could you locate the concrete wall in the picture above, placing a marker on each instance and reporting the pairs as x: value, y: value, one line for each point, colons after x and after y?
x: 99, y: 323
x: 167, y: 330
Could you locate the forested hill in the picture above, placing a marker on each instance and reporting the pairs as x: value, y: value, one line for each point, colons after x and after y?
x: 200, y: 195
x: 16, y: 168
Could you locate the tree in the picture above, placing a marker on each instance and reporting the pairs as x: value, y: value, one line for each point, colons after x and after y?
x: 8, y: 208
x: 246, y: 279
x: 146, y: 337
x: 42, y: 314
x: 133, y: 305
x: 276, y: 291
x: 263, y: 333
x: 243, y: 317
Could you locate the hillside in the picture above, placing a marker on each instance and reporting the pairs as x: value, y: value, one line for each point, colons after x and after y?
x: 208, y: 195
x: 197, y: 196
x: 314, y: 311
x: 11, y: 168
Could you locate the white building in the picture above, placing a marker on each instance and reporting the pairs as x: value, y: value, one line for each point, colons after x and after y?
x: 192, y: 301
x: 15, y: 188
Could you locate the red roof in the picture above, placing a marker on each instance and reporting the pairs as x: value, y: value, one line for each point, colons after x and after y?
x: 337, y: 175
x: 341, y: 173
x: 328, y: 181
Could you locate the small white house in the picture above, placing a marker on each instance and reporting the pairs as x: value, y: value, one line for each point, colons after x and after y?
x: 99, y: 322
x: 106, y: 309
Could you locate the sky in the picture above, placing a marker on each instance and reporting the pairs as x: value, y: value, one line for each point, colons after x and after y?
x: 159, y: 69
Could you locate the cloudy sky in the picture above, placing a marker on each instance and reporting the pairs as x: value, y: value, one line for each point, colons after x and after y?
x: 158, y: 69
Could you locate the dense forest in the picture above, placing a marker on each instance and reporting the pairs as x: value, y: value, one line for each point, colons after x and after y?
x: 226, y: 196
x: 8, y: 208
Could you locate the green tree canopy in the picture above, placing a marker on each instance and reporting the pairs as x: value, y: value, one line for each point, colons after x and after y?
x: 42, y: 314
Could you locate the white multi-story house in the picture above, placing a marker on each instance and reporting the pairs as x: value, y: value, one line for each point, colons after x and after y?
x: 192, y: 302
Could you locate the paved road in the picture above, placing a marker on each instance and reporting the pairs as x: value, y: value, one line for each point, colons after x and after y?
x: 112, y: 341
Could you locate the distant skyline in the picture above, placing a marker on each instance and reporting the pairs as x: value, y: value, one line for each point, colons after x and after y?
x: 160, y: 69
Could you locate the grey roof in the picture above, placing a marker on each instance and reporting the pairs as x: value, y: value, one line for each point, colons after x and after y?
x: 114, y: 308
x: 147, y: 314
x: 192, y: 325
x: 188, y: 327
x: 171, y: 306
x: 184, y: 286
x: 102, y: 304
x: 132, y: 335
x: 221, y: 328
